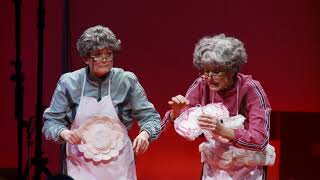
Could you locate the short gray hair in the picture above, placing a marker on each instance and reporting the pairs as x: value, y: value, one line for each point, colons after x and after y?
x: 219, y: 50
x: 97, y: 37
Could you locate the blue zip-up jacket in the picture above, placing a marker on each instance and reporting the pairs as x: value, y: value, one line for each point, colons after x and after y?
x: 128, y: 97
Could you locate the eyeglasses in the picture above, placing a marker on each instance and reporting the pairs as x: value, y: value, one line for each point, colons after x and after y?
x: 210, y: 74
x: 108, y: 57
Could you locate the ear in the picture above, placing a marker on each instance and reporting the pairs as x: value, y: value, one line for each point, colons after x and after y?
x: 86, y: 60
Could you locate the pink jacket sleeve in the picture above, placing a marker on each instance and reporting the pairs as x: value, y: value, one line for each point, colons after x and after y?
x: 255, y: 136
x: 193, y: 94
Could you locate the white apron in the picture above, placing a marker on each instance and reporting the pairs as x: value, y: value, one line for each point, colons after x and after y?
x: 121, y: 167
x: 212, y: 170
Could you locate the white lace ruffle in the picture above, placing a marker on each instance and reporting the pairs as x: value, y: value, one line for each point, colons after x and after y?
x: 186, y: 124
x: 101, y: 138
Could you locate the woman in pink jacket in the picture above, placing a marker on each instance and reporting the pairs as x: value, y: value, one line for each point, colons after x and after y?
x: 219, y: 59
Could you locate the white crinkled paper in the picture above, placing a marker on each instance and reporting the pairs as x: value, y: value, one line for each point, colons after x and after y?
x: 186, y: 124
x: 101, y: 138
x: 217, y: 151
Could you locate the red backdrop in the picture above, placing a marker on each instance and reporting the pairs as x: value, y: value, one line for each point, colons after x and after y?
x: 158, y: 37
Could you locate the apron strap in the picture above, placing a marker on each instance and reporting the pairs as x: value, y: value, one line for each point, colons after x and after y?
x: 109, y: 87
x: 213, y: 94
x: 237, y: 99
x: 83, y: 84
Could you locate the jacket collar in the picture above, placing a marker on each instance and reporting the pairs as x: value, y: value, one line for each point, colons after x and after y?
x: 98, y: 81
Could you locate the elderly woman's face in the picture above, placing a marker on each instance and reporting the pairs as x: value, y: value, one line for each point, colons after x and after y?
x: 100, y: 61
x: 217, y: 78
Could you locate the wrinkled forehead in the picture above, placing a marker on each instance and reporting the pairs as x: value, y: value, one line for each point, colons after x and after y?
x: 214, y: 67
x: 101, y: 51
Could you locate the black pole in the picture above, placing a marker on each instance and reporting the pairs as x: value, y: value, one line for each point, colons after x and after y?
x: 18, y: 78
x: 39, y: 161
x: 66, y: 63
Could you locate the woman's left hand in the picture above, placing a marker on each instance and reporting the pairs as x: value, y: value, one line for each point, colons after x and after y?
x: 210, y: 123
x: 141, y: 143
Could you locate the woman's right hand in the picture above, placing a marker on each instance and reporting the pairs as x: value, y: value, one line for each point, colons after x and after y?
x: 70, y: 136
x: 177, y: 103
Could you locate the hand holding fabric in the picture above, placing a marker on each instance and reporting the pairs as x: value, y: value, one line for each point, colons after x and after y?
x: 70, y: 136
x: 211, y: 123
x: 141, y: 142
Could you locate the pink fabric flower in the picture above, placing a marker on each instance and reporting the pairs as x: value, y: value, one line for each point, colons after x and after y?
x: 101, y: 138
x: 186, y: 124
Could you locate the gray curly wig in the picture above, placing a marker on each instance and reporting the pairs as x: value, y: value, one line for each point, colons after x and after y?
x: 219, y: 50
x: 97, y: 37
